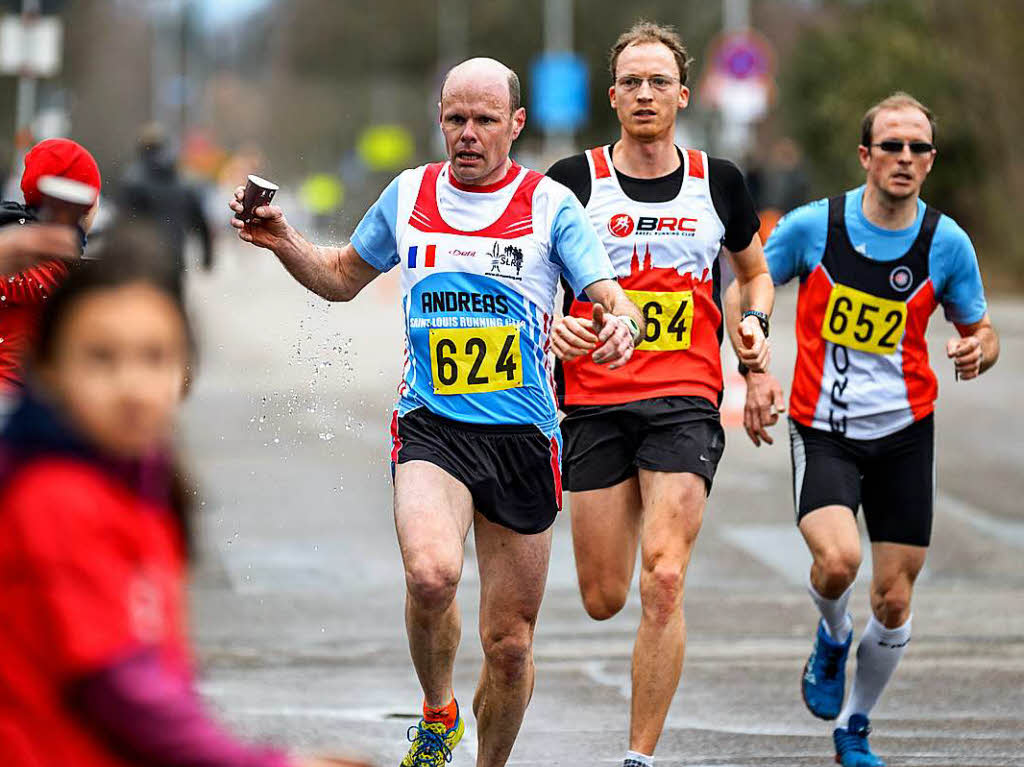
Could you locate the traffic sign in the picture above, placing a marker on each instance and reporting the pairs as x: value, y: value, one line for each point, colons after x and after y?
x: 740, y: 79
x: 30, y: 47
x: 559, y: 100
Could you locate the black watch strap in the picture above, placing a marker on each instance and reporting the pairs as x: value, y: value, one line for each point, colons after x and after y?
x: 743, y: 369
x: 761, y: 318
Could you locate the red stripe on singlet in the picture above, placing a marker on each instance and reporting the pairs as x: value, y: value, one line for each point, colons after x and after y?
x: 601, y: 169
x: 696, y: 163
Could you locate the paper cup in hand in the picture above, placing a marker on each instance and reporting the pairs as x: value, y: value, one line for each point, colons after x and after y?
x: 258, y: 192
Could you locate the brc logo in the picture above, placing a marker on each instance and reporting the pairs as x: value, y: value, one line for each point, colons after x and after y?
x: 623, y: 225
x: 620, y: 225
x: 682, y: 224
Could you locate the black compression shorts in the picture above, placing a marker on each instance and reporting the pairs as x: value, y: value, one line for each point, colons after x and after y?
x: 892, y: 477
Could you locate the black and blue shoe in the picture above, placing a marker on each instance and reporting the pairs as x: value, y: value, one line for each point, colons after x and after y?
x: 852, y: 749
x: 824, y: 681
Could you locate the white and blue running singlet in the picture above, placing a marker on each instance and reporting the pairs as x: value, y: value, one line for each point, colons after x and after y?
x: 480, y: 267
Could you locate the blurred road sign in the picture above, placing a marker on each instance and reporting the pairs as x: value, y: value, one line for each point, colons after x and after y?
x: 740, y: 80
x: 30, y: 47
x: 558, y: 92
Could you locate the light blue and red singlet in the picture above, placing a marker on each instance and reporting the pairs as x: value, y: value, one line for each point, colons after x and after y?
x: 480, y: 268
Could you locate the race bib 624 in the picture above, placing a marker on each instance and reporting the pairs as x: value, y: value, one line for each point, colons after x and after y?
x: 474, y: 360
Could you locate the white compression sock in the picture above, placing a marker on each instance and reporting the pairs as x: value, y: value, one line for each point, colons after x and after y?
x: 878, y: 653
x: 636, y: 759
x: 837, y: 620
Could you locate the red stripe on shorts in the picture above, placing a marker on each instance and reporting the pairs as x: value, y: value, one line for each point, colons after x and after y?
x: 396, y: 441
x: 556, y: 470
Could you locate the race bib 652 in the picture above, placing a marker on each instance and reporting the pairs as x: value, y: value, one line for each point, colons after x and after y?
x: 859, y: 320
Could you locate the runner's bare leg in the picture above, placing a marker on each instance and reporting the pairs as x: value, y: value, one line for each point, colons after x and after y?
x: 433, y: 512
x: 673, y: 509
x: 513, y: 572
x: 605, y: 536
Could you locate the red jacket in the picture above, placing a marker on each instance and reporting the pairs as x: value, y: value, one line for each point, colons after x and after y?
x: 89, y: 573
x: 21, y: 302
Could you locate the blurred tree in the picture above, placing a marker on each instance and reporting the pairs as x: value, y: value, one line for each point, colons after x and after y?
x: 963, y: 61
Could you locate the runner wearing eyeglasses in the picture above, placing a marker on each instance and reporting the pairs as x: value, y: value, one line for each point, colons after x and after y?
x: 873, y: 263
x: 642, y: 447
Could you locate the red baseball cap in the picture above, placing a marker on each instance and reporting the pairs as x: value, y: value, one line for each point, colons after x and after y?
x: 58, y: 157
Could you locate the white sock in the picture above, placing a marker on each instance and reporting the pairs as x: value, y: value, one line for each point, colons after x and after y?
x: 878, y: 653
x: 833, y: 612
x: 636, y: 758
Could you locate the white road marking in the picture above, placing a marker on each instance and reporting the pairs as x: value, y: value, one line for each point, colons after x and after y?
x: 779, y: 547
x: 1004, y: 530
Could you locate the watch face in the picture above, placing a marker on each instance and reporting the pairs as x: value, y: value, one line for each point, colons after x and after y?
x: 762, y: 319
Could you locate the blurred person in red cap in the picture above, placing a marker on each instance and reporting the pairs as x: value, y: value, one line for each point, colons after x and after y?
x: 96, y: 669
x: 37, y: 257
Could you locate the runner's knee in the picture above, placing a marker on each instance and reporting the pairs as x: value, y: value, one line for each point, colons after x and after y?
x: 837, y: 568
x: 661, y: 590
x: 431, y: 584
x: 890, y: 601
x: 602, y: 599
x: 508, y: 653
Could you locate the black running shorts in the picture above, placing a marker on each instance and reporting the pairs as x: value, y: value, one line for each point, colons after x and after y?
x: 606, y: 444
x: 512, y: 472
x: 892, y: 477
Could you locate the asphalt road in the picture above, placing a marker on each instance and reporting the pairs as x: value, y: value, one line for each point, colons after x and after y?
x: 297, y: 602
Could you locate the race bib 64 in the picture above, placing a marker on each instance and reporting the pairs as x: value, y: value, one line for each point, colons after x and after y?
x: 668, y: 319
x: 861, y: 321
x: 475, y: 360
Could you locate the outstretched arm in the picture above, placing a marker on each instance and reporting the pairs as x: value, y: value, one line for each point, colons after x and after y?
x: 337, y: 274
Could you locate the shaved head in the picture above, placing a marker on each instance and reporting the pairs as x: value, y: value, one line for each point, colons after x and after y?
x: 483, y: 74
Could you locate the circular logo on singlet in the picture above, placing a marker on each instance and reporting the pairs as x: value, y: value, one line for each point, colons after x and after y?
x: 621, y: 225
x: 901, y: 278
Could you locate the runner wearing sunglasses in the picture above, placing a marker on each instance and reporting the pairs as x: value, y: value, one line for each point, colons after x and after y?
x: 873, y: 264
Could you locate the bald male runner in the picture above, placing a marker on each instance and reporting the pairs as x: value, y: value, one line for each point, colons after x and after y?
x: 482, y: 243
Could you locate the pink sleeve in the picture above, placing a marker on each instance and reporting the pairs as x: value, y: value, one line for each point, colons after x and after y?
x: 158, y: 717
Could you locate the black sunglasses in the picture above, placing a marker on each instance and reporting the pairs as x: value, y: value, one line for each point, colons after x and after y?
x: 896, y: 147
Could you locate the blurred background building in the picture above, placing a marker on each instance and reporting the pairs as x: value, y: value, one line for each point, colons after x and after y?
x: 340, y: 93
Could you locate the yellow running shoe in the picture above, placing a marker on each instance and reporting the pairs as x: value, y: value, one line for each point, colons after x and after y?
x: 432, y: 743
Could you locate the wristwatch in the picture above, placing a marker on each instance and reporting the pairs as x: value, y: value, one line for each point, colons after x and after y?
x: 634, y: 329
x: 762, y: 318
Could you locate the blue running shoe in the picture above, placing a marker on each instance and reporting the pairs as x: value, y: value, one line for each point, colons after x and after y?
x: 852, y: 749
x: 824, y: 681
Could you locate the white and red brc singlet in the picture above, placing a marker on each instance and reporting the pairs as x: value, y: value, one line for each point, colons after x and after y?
x: 665, y: 255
